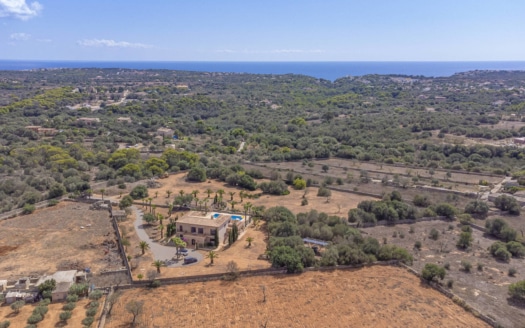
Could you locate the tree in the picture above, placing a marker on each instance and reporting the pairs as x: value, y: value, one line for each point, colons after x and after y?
x: 112, y: 300
x: 465, y: 240
x: 197, y: 174
x: 125, y: 202
x: 325, y: 168
x: 477, y: 208
x: 135, y: 308
x: 48, y: 285
x: 432, y: 271
x: 16, y: 306
x: 232, y: 193
x: 446, y: 210
x: 507, y: 203
x: 158, y: 264
x: 285, y: 256
x: 212, y: 255
x: 179, y: 243
x: 249, y: 240
x: 57, y: 190
x: 517, y: 290
x: 139, y: 192
x: 149, y: 218
x: 65, y: 316
x: 143, y: 246
x: 168, y: 193
x: 299, y: 184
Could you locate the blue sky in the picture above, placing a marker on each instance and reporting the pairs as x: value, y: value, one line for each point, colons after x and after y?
x: 270, y: 30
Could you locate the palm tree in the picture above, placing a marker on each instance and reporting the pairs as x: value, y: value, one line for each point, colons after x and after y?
x: 181, y: 192
x: 153, y: 208
x: 144, y: 202
x: 102, y: 192
x: 168, y: 192
x: 212, y: 255
x: 156, y: 194
x: 195, y: 193
x: 209, y: 191
x: 161, y: 229
x: 149, y: 200
x: 158, y: 264
x: 196, y: 201
x: 241, y: 195
x: 160, y: 217
x: 247, y: 206
x: 249, y: 240
x: 233, y: 204
x: 231, y: 194
x: 170, y: 209
x: 143, y: 246
x: 220, y: 192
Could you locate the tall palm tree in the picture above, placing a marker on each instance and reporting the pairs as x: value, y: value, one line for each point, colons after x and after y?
x: 195, y: 193
x: 247, y: 206
x: 170, y: 209
x: 161, y: 229
x: 231, y: 194
x: 212, y: 255
x: 233, y: 204
x: 181, y: 192
x: 102, y: 192
x: 158, y: 264
x: 143, y: 246
x: 241, y: 195
x: 209, y: 191
x: 220, y: 192
x: 249, y: 240
x: 168, y: 192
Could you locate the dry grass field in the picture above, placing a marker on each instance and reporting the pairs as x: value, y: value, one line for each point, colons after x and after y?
x: 339, y: 204
x: 66, y: 236
x: 485, y: 289
x: 51, y: 319
x: 370, y: 297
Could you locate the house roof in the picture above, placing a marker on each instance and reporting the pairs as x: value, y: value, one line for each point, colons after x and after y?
x: 59, y: 276
x: 62, y: 287
x: 197, y: 218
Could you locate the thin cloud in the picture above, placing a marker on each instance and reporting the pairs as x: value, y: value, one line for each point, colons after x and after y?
x: 20, y: 36
x: 111, y: 43
x: 19, y: 9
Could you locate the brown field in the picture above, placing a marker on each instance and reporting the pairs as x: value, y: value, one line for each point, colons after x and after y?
x: 378, y: 296
x: 339, y: 204
x: 51, y: 319
x: 484, y: 289
x: 52, y: 239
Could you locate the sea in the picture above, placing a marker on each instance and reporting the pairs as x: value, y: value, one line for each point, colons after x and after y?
x: 325, y: 70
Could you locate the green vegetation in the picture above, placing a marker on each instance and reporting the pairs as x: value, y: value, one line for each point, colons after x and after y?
x: 432, y: 272
x: 517, y: 290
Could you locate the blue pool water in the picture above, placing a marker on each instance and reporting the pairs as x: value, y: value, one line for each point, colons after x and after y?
x: 236, y: 217
x: 216, y: 215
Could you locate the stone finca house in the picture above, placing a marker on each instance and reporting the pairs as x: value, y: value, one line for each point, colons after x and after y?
x: 64, y: 280
x: 199, y: 229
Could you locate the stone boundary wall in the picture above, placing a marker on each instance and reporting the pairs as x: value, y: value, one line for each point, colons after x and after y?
x: 386, y: 223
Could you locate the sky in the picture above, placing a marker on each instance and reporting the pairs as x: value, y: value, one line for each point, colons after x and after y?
x: 270, y: 30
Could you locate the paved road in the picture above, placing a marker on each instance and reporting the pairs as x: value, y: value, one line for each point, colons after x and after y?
x: 161, y: 252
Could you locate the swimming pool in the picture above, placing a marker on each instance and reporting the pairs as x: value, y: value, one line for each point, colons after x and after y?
x: 215, y: 215
x: 237, y: 217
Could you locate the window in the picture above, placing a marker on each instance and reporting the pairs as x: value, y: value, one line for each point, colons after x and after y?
x: 213, y: 232
x: 193, y: 229
x: 180, y: 228
x: 201, y: 231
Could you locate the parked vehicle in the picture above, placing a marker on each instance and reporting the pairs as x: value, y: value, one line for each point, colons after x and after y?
x: 189, y: 260
x: 183, y: 251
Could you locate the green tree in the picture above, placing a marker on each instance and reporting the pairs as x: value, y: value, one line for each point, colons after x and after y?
x: 285, y: 256
x: 139, y: 192
x: 299, y: 184
x: 325, y: 168
x: 465, y: 240
x: 16, y: 306
x: 432, y: 271
x: 197, y: 174
x: 143, y: 247
x: 517, y: 290
x: 477, y: 208
x: 125, y: 202
x: 446, y: 210
x: 179, y: 243
x: 249, y: 240
x: 212, y: 255
x: 135, y: 308
x: 158, y: 264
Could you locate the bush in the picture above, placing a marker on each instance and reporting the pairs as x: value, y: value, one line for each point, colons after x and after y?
x: 65, y: 316
x: 42, y: 310
x: 324, y: 192
x: 517, y: 290
x: 516, y: 249
x: 434, y: 234
x: 88, y: 321
x: 417, y: 245
x: 480, y: 266
x: 34, y: 319
x: 477, y: 208
x: 91, y: 312
x: 502, y: 254
x: 450, y: 283
x: 466, y: 265
x: 69, y: 306
x: 465, y: 240
x: 432, y: 271
x: 28, y: 209
x: 93, y: 304
x: 72, y: 298
x: 197, y: 174
x: 95, y: 295
x: 512, y: 272
x: 139, y: 192
x: 5, y: 324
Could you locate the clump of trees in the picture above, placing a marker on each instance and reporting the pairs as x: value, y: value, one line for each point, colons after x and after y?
x: 499, y: 228
x: 390, y: 209
x: 507, y: 203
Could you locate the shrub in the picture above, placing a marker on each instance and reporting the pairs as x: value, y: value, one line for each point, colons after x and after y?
x: 72, y: 298
x: 16, y: 306
x: 65, y: 316
x: 304, y: 202
x: 88, y: 321
x: 516, y: 249
x: 299, y: 184
x: 477, y: 208
x: 466, y: 265
x: 95, y: 295
x: 324, y: 192
x: 93, y: 304
x: 446, y: 210
x: 434, y: 234
x: 480, y: 266
x: 517, y: 290
x: 5, y: 324
x: 502, y: 254
x: 34, y: 318
x: 411, y: 230
x: 512, y: 272
x: 432, y: 271
x: 447, y: 265
x: 417, y: 245
x: 69, y: 306
x: 28, y: 209
x: 91, y: 312
x: 41, y: 309
x: 450, y: 283
x: 421, y: 201
x: 139, y: 192
x: 465, y: 240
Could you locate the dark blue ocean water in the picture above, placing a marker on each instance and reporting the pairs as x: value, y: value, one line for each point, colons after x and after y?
x: 325, y: 70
